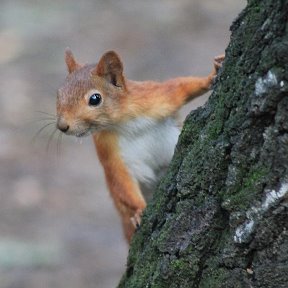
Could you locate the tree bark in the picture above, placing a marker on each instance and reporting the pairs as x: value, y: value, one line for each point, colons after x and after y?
x: 219, y: 217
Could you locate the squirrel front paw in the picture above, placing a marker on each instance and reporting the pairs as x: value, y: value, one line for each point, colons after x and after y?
x: 136, y: 219
x: 218, y: 60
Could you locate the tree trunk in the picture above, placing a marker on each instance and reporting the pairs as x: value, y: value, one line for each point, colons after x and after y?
x: 219, y: 217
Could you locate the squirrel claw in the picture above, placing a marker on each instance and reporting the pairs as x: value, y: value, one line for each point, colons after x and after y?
x: 218, y: 60
x: 136, y: 219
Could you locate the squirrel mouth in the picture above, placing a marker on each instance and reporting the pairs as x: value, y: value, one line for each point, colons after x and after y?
x: 88, y: 131
x: 82, y: 134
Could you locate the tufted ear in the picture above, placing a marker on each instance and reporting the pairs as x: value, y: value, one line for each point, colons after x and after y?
x: 110, y: 67
x: 71, y: 63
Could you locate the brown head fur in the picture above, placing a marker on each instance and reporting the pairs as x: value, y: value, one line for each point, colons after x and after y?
x: 105, y: 78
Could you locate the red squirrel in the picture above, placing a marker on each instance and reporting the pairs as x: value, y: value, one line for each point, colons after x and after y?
x: 133, y: 124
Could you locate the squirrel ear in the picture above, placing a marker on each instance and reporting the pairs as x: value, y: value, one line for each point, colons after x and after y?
x: 110, y: 67
x: 71, y: 63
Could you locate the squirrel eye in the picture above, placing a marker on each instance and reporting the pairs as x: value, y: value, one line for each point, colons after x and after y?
x: 95, y: 99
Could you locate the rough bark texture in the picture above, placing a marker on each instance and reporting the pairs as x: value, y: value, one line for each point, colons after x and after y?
x: 219, y: 218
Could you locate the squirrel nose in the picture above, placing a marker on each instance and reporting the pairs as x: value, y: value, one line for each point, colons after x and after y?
x: 62, y: 125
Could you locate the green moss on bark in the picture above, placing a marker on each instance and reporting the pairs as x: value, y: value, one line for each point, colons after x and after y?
x: 209, y: 220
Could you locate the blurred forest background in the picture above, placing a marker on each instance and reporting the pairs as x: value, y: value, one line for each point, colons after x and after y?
x: 58, y: 226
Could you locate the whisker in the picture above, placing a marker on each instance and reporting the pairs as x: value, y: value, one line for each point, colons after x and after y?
x: 40, y: 130
x: 49, y: 114
x: 59, y: 142
x: 36, y: 120
x: 44, y: 119
x: 50, y: 139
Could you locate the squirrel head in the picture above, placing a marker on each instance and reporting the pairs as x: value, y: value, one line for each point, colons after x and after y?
x: 92, y: 95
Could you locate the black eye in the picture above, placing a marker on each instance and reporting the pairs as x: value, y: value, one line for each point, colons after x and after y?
x: 95, y: 99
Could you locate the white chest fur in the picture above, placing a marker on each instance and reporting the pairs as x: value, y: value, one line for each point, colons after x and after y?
x: 147, y: 146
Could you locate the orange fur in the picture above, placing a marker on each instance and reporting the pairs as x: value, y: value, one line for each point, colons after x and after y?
x: 124, y: 190
x: 122, y: 101
x: 159, y: 100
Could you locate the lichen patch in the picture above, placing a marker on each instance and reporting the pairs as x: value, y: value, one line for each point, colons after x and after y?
x: 264, y: 83
x: 244, y: 231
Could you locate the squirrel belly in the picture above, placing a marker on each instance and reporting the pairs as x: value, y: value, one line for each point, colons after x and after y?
x: 147, y: 146
x: 133, y: 155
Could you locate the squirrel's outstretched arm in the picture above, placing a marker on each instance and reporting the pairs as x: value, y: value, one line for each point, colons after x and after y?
x: 160, y: 100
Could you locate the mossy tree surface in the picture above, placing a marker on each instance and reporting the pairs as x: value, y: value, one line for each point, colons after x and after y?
x: 220, y: 216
